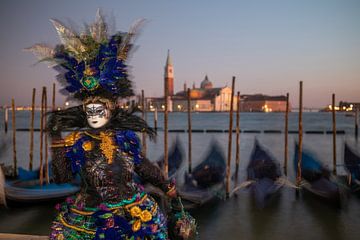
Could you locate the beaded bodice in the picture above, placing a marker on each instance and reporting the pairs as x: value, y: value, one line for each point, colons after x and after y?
x: 106, y: 163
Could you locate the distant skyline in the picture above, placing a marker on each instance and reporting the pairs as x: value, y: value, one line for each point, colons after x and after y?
x: 269, y: 46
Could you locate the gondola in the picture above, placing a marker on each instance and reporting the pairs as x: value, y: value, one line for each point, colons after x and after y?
x: 30, y: 191
x: 26, y: 188
x: 316, y: 178
x: 206, y: 181
x: 175, y: 159
x: 263, y: 173
x: 352, y: 166
x: 24, y: 174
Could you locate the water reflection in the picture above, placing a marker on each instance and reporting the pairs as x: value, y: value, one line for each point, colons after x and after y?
x: 326, y: 216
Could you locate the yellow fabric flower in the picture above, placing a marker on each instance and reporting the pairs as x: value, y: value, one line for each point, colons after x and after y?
x: 145, y: 216
x: 135, y: 211
x: 60, y: 237
x: 136, y: 225
x: 87, y: 146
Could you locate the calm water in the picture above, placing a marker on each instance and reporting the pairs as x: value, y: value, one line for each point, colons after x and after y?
x: 237, y: 218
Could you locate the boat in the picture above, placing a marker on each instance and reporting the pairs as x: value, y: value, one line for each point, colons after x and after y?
x: 206, y: 181
x: 30, y: 191
x: 193, y: 197
x: 24, y: 174
x: 352, y: 166
x: 350, y: 114
x: 316, y: 178
x: 26, y: 188
x: 175, y: 159
x: 263, y: 174
x: 2, y: 188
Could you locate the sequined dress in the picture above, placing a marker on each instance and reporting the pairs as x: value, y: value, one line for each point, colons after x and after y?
x: 110, y: 204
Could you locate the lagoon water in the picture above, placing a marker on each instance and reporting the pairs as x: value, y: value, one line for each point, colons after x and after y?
x: 285, y: 217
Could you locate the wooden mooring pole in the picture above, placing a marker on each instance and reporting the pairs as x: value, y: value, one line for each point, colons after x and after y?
x: 356, y: 123
x: 11, y: 236
x: 334, y: 133
x: 298, y: 174
x: 31, y: 154
x: 237, y: 156
x: 46, y: 140
x: 230, y: 139
x: 53, y: 106
x: 155, y: 118
x: 166, y: 160
x: 6, y: 119
x: 41, y: 174
x: 143, y: 108
x: 189, y: 128
x: 14, y: 137
x: 286, y: 134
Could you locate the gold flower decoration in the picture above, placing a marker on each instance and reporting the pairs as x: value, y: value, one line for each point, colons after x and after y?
x: 136, y: 225
x: 135, y: 211
x: 60, y: 237
x: 87, y: 146
x: 145, y: 216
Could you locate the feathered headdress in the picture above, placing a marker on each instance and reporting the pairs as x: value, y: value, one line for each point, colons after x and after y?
x: 91, y: 63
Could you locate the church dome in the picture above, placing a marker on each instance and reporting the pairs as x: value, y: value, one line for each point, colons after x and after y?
x: 206, y: 83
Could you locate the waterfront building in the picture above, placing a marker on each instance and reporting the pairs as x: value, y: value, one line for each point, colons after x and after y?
x: 263, y: 103
x: 349, y: 106
x: 343, y: 107
x: 208, y: 98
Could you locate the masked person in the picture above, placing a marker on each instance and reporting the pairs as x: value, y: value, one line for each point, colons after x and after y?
x: 103, y: 148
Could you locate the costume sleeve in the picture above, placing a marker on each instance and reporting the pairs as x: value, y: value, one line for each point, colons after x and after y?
x: 129, y: 143
x: 152, y: 174
x: 61, y: 165
x: 61, y: 168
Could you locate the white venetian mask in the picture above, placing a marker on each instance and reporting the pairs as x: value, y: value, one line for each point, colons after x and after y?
x: 97, y: 115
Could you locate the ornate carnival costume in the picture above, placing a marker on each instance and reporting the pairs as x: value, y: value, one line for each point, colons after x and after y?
x: 103, y: 149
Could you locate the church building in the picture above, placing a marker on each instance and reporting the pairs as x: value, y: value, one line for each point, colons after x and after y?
x: 205, y: 98
x: 208, y: 98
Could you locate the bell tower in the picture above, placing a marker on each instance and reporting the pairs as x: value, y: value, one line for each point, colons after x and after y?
x: 169, y: 75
